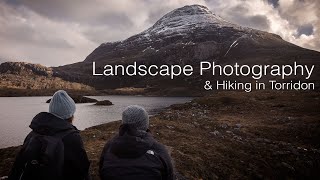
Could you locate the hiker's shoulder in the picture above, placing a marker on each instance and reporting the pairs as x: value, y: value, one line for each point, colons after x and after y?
x: 111, y: 141
x: 157, y: 146
x: 72, y: 136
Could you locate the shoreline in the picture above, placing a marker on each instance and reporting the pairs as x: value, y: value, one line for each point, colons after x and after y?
x: 227, y: 135
x: 126, y: 91
x: 154, y: 108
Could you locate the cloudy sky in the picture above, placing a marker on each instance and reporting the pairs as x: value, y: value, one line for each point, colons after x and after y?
x: 57, y: 32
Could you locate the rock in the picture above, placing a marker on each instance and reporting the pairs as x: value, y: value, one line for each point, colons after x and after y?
x: 170, y: 127
x: 267, y: 140
x: 238, y: 125
x: 237, y: 138
x: 216, y: 133
x: 293, y: 150
x: 224, y: 126
x: 287, y: 166
x: 104, y: 103
x: 196, y: 123
x: 79, y: 99
x: 236, y: 131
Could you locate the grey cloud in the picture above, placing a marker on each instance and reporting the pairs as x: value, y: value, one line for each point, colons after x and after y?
x: 20, y: 28
x: 300, y: 12
x: 275, y: 3
x: 239, y: 10
x: 26, y: 36
x: 259, y: 22
x: 102, y: 34
x: 241, y: 15
x: 114, y: 20
x: 29, y: 36
x: 57, y: 32
x: 57, y: 9
x: 93, y: 12
x: 109, y: 28
x: 305, y: 29
x: 303, y: 16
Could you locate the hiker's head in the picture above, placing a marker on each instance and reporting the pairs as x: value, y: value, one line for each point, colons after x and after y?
x: 136, y: 116
x: 62, y: 105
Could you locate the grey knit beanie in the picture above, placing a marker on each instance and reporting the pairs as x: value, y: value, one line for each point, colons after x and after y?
x: 136, y: 116
x: 62, y: 105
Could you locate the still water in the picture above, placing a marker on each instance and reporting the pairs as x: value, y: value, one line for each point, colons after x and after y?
x: 16, y: 113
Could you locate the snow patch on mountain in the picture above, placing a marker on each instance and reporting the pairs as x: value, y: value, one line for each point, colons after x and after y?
x: 184, y: 20
x: 236, y: 42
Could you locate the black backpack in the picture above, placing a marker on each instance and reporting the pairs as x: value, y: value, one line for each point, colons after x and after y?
x: 42, y: 156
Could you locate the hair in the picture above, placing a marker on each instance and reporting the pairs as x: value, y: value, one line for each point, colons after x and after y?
x: 70, y: 119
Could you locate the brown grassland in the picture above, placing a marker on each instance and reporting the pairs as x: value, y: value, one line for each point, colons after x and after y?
x: 228, y: 135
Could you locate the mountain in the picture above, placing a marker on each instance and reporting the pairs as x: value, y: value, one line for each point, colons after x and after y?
x: 188, y: 27
x: 186, y: 35
x: 27, y: 76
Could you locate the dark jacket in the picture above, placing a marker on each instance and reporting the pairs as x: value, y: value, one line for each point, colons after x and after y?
x: 76, y: 163
x: 135, y: 155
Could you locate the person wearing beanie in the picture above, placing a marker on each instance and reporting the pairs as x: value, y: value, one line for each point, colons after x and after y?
x: 137, y: 117
x: 134, y: 153
x: 62, y: 105
x: 53, y: 135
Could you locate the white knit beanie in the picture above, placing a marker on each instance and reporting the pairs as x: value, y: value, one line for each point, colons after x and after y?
x: 62, y: 105
x: 136, y: 116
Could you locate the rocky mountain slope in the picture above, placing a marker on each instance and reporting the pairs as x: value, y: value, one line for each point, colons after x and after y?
x: 186, y: 35
x: 20, y: 75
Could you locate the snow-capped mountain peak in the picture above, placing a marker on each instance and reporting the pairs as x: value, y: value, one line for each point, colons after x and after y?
x: 184, y: 19
x: 193, y: 29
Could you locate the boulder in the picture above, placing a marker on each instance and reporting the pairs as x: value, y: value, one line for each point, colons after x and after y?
x: 104, y: 103
x: 79, y: 99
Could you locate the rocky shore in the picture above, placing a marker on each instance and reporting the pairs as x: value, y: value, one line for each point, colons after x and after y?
x: 229, y: 135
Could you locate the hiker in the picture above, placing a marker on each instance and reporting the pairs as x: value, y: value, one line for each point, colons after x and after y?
x: 134, y: 153
x: 53, y: 150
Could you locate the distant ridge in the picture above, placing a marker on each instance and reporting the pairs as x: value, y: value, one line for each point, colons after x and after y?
x: 22, y: 75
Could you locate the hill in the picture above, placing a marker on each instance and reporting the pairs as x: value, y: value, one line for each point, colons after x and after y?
x: 19, y: 78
